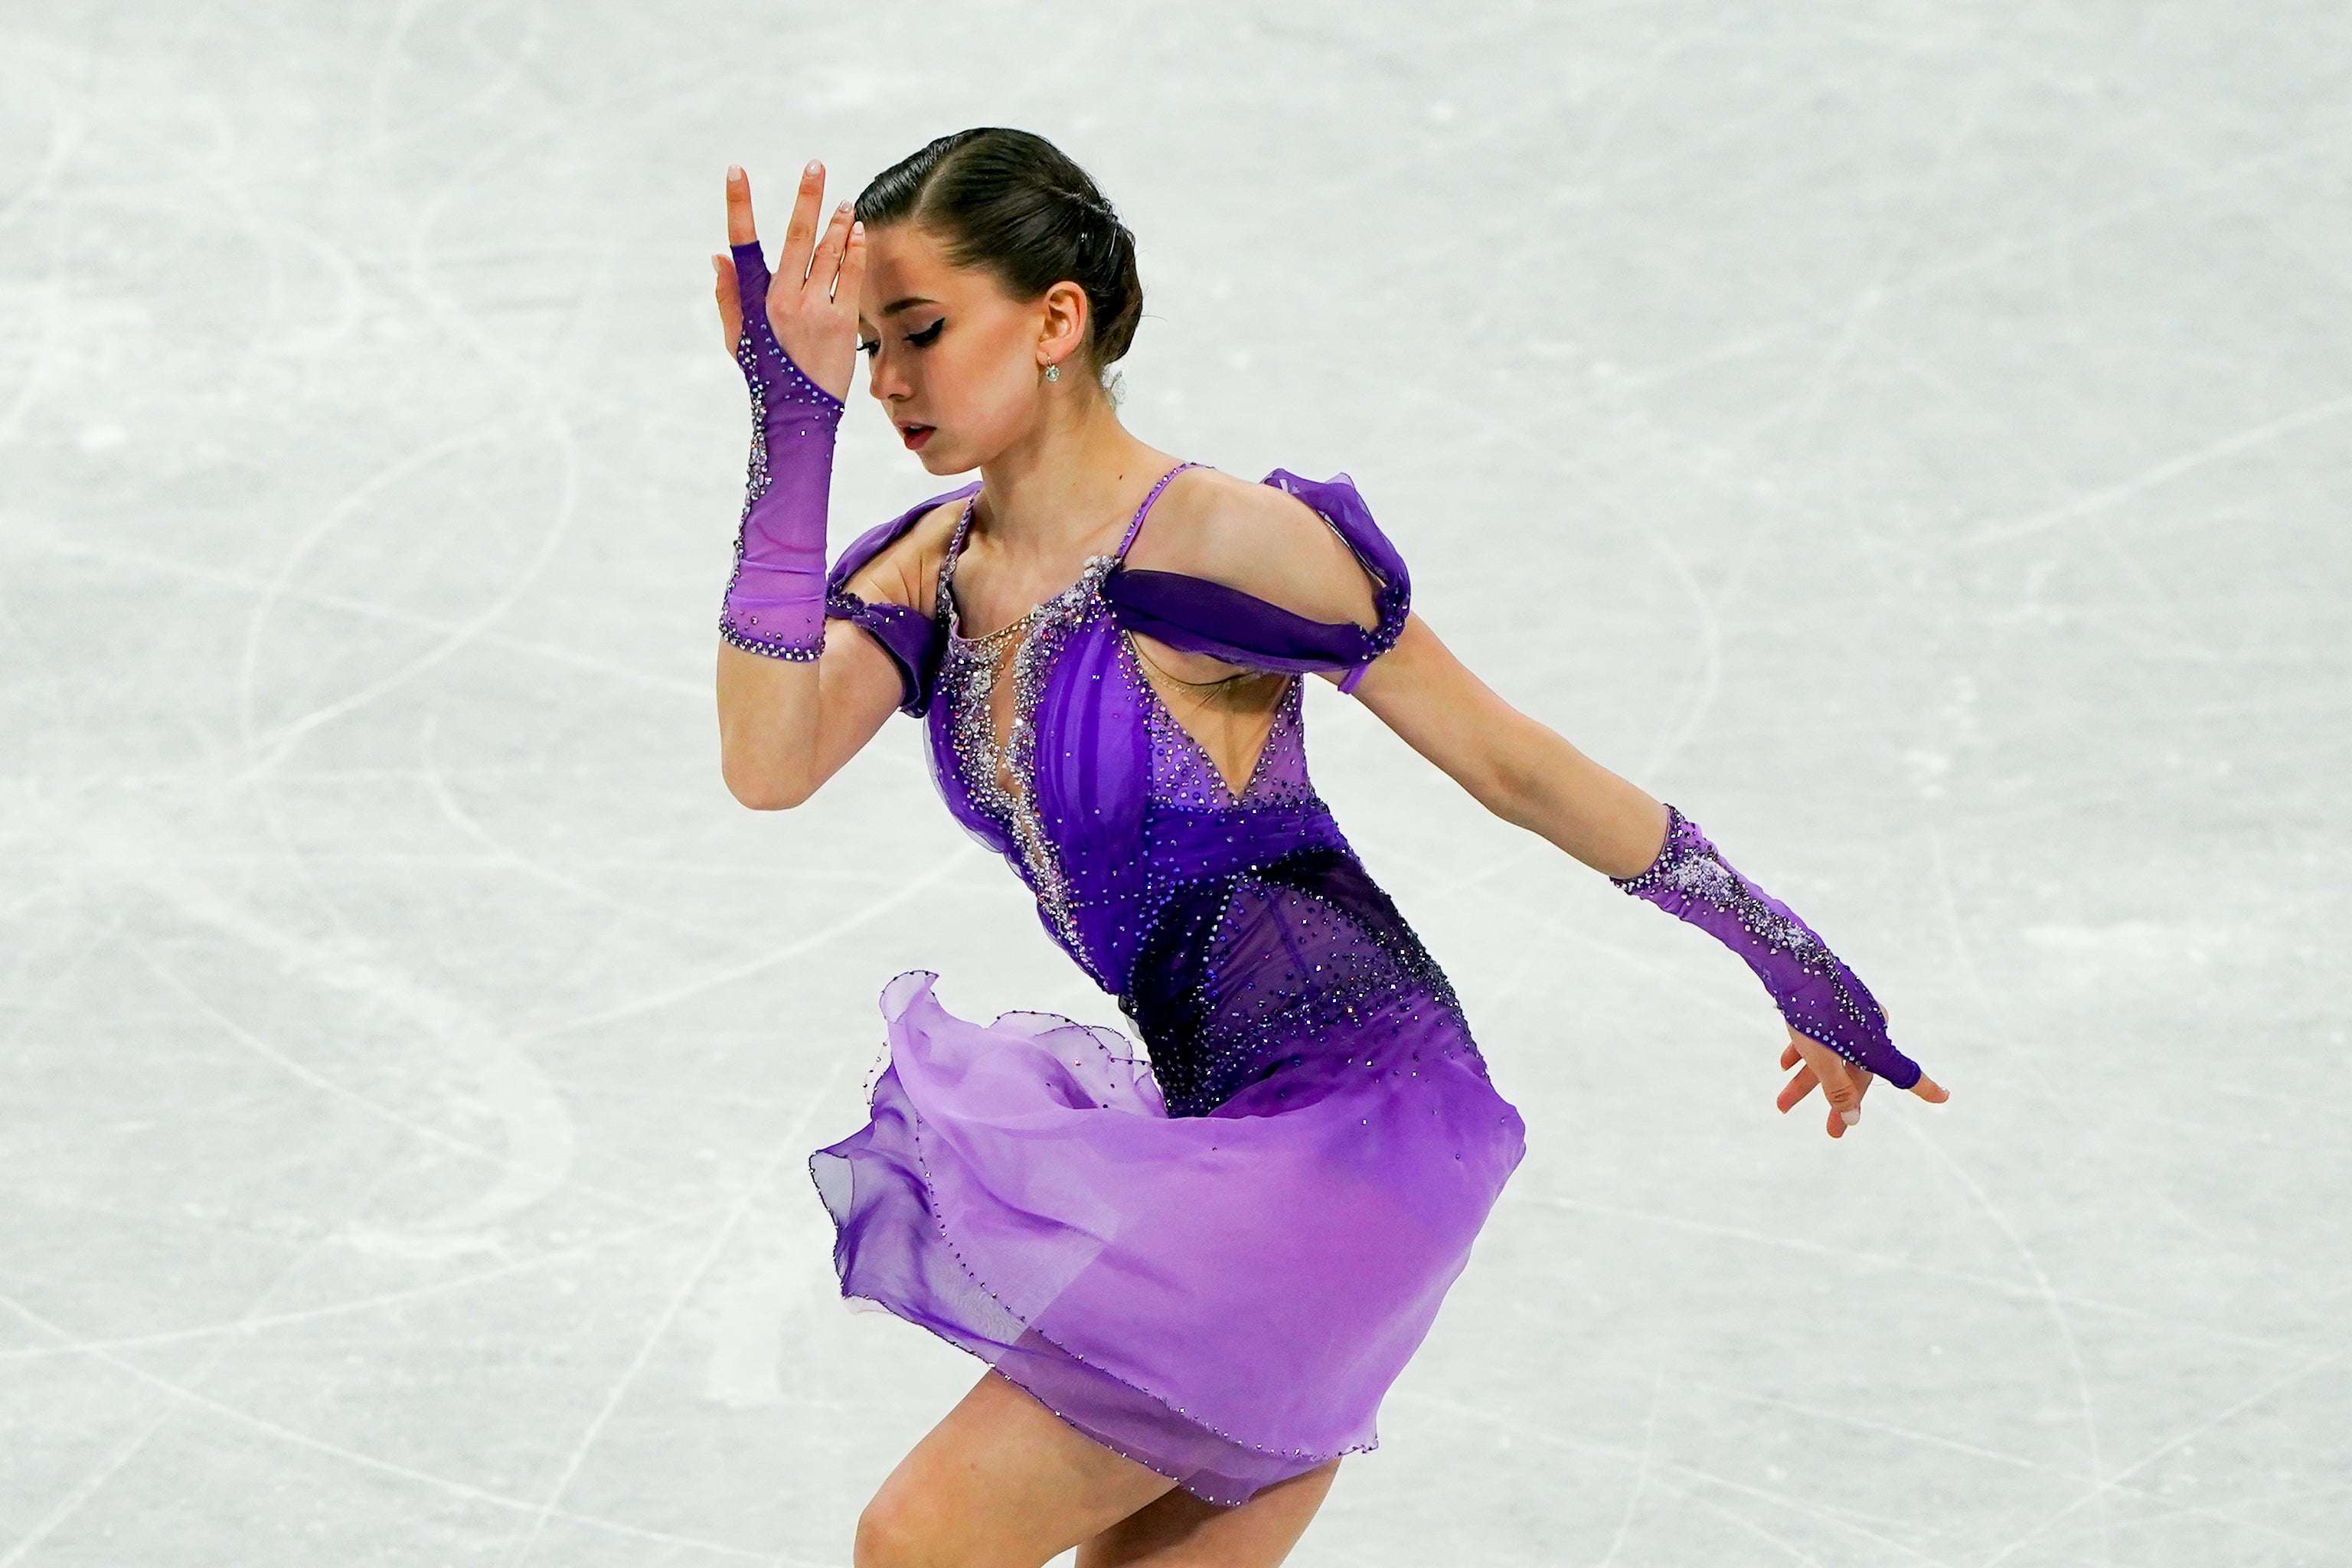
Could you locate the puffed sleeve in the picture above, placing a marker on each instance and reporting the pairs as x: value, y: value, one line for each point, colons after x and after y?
x: 913, y: 640
x: 1200, y: 617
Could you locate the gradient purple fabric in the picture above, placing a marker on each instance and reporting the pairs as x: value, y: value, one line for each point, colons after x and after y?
x: 774, y: 604
x: 1216, y: 1260
x: 1814, y: 990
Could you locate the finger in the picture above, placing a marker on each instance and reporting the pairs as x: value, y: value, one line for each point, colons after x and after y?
x: 824, y: 267
x: 747, y: 265
x: 800, y: 234
x: 751, y: 270
x: 739, y: 230
x: 1841, y: 1079
x: 731, y: 309
x: 1929, y: 1089
x: 1839, y: 1088
x: 851, y: 284
x: 1796, y: 1089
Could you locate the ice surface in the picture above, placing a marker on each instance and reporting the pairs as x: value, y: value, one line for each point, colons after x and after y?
x: 1913, y: 439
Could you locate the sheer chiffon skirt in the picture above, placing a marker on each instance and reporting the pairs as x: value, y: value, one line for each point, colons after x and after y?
x: 1224, y: 1298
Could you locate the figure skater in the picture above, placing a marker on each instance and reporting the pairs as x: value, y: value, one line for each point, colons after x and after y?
x: 1192, y: 1277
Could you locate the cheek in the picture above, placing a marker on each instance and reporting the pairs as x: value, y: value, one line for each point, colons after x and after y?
x: 982, y: 385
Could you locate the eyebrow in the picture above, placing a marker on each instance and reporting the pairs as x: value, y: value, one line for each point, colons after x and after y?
x: 894, y: 306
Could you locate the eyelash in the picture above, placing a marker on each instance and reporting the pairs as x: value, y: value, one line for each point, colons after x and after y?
x: 921, y: 340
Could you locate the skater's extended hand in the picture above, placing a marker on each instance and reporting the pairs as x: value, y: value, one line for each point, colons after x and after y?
x: 1842, y: 1083
x: 811, y: 302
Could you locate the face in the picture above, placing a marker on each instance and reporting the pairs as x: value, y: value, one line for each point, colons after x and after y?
x: 956, y: 362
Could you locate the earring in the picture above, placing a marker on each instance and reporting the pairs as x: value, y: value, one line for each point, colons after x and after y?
x: 1053, y: 373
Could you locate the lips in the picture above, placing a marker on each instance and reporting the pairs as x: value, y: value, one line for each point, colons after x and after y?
x: 915, y: 435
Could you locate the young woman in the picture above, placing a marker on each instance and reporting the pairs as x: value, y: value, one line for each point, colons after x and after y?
x: 1194, y: 1278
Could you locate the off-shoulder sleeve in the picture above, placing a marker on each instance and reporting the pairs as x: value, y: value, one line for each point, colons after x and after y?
x: 912, y: 639
x: 1200, y: 617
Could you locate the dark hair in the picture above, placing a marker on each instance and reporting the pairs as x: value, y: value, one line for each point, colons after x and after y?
x: 1014, y: 203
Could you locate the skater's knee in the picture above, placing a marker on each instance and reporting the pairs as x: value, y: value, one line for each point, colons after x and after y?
x: 896, y: 1531
x: 885, y: 1538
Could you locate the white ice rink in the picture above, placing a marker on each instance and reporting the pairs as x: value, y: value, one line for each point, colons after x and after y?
x: 1915, y: 438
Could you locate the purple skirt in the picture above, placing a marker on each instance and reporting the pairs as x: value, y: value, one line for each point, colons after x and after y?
x: 1222, y: 1298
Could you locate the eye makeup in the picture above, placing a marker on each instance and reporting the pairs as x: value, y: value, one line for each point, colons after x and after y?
x: 921, y: 340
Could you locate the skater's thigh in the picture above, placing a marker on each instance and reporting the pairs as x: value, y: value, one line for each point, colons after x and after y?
x: 1179, y: 1531
x: 1000, y: 1482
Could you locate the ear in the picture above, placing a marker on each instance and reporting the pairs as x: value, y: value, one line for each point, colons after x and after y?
x: 1063, y: 330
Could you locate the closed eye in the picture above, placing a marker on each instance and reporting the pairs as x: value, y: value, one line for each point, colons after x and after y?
x: 921, y: 340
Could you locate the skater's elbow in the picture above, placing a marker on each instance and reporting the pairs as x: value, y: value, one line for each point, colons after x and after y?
x: 768, y: 790
x: 1521, y: 794
x: 784, y: 801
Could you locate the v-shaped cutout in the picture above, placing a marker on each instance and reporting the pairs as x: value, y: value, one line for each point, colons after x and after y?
x: 1147, y: 672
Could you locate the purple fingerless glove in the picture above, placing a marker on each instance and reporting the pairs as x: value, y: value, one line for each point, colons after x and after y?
x: 1818, y: 995
x: 775, y: 600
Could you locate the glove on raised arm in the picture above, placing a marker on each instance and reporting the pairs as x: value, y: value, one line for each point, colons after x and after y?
x: 1819, y: 995
x: 775, y: 600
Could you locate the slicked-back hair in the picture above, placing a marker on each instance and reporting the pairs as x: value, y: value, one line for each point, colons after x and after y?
x: 1013, y: 203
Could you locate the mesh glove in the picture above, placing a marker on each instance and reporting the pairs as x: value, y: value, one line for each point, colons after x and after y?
x: 1815, y: 992
x: 775, y: 600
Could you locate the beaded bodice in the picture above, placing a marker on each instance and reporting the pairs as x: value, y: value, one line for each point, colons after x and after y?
x: 1119, y: 767
x: 1234, y: 925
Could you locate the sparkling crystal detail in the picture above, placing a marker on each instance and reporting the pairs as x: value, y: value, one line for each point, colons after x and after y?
x: 1346, y: 966
x: 1688, y: 867
x: 1001, y: 778
x: 755, y: 485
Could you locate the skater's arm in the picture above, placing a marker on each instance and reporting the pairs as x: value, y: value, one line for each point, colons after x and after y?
x: 1518, y: 769
x: 1269, y: 544
x: 797, y: 694
x: 784, y: 728
x: 1527, y: 774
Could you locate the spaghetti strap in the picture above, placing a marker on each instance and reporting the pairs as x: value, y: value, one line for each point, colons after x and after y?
x: 962, y: 527
x: 943, y: 593
x: 1136, y: 527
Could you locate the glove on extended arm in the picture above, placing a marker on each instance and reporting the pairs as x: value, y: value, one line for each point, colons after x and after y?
x: 775, y: 600
x: 1818, y: 995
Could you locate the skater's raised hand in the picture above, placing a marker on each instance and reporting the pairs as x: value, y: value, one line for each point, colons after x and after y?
x: 807, y: 310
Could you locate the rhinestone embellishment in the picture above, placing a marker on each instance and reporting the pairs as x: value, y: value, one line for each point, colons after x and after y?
x: 755, y: 485
x: 1689, y: 864
x: 970, y: 670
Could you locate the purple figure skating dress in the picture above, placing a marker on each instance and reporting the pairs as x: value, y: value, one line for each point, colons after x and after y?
x: 1218, y: 1261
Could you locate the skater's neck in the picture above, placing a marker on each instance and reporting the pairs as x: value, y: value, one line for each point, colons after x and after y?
x: 1075, y: 475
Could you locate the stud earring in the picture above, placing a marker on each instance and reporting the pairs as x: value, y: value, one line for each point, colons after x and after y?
x: 1053, y: 373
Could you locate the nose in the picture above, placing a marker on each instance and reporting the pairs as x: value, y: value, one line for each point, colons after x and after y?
x: 883, y: 380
